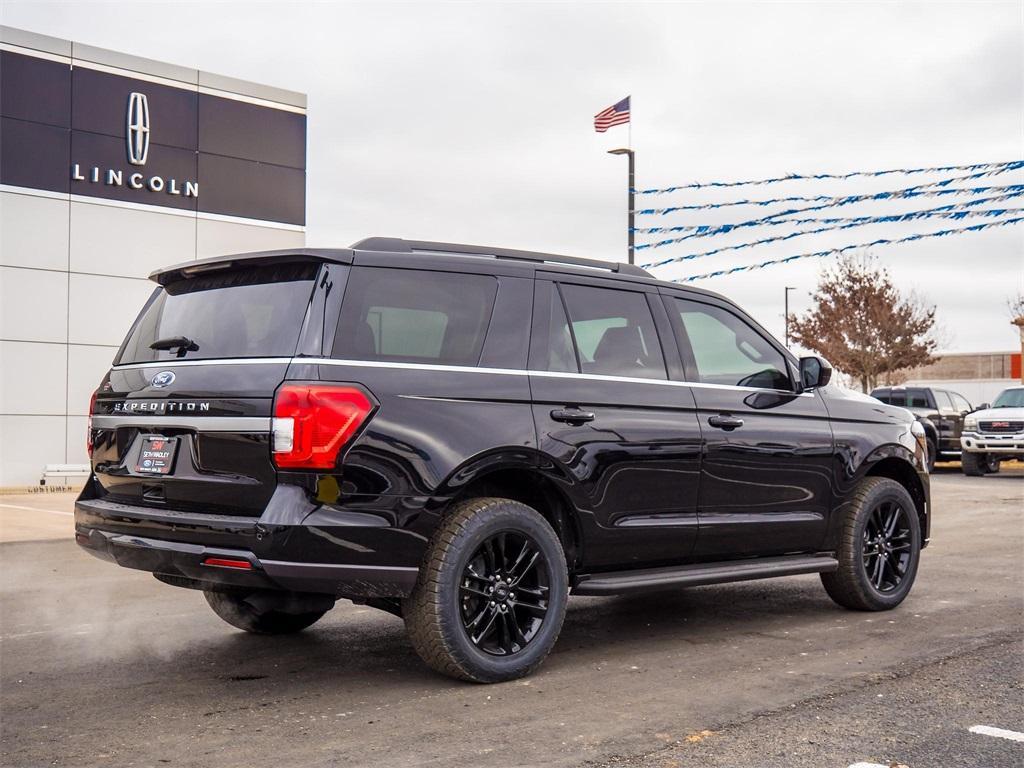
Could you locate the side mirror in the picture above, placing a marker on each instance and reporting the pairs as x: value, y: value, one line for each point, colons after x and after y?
x: 982, y: 407
x: 814, y: 373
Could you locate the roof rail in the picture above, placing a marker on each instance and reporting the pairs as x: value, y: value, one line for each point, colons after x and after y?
x: 398, y: 245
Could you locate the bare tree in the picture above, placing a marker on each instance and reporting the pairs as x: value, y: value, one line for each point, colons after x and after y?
x: 863, y: 325
x: 1015, y: 304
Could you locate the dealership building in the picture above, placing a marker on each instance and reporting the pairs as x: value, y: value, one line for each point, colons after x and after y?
x: 112, y: 166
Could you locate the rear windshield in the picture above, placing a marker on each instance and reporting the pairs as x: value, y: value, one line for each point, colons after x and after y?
x: 254, y: 312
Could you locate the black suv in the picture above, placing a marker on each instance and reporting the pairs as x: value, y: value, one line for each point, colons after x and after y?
x: 941, y: 413
x: 463, y: 436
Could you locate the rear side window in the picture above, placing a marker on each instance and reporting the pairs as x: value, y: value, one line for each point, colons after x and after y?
x: 918, y: 398
x: 416, y: 316
x: 253, y: 312
x: 898, y: 397
x: 614, y: 332
x: 728, y: 351
x: 883, y: 395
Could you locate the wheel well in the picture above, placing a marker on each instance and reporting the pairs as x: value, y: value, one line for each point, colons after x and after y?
x: 904, y: 474
x: 535, y: 491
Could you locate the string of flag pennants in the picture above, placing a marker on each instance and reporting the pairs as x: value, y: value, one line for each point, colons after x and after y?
x: 992, y: 213
x: 830, y: 200
x: 838, y: 251
x: 978, y: 171
x: 1011, y: 190
x: 706, y: 230
x: 957, y: 210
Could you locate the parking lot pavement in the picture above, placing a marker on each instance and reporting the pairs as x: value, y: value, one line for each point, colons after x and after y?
x: 36, y: 517
x: 102, y: 665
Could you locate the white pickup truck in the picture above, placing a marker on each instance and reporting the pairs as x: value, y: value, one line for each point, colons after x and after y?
x: 994, y: 434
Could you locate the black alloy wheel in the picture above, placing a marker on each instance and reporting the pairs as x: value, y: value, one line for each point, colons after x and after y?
x: 887, y: 546
x: 504, y: 593
x: 491, y: 593
x: 879, y: 547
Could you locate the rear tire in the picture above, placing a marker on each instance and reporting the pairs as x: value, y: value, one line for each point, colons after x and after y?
x: 236, y: 611
x: 491, y: 594
x: 879, y: 547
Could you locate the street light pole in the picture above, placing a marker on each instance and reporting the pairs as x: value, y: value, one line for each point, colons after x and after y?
x: 630, y: 219
x: 788, y: 289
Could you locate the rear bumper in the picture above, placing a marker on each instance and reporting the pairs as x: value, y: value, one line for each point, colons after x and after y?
x: 177, y: 547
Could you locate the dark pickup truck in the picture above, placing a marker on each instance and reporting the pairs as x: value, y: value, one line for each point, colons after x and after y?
x: 941, y: 411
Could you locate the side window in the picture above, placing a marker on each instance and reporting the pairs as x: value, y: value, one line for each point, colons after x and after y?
x: 918, y: 398
x: 409, y: 315
x: 728, y: 351
x: 614, y: 332
x: 898, y: 397
x: 561, y: 354
x: 960, y: 402
x: 883, y: 395
x: 943, y: 399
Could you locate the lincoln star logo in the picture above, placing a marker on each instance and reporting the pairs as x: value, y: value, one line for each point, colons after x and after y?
x: 138, y: 128
x: 162, y: 379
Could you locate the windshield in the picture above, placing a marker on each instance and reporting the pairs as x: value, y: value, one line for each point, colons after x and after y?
x: 1010, y: 398
x: 253, y: 312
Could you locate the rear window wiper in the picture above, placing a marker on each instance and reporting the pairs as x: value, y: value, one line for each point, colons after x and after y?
x: 183, y: 344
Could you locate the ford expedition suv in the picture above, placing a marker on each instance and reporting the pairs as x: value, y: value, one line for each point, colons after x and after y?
x: 465, y: 436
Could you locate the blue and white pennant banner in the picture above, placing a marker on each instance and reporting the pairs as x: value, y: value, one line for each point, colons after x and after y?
x: 845, y: 248
x: 978, y: 170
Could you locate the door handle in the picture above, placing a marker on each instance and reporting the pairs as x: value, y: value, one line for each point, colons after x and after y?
x: 572, y: 415
x: 725, y: 421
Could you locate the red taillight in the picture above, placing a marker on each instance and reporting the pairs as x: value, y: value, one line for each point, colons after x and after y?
x: 313, y: 422
x: 227, y: 562
x: 88, y: 424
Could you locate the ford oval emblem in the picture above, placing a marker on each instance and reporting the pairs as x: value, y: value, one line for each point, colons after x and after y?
x: 162, y: 379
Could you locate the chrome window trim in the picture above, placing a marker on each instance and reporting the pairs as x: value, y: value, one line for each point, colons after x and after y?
x: 454, y: 369
x: 198, y: 423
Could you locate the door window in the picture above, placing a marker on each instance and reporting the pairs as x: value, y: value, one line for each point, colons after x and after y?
x: 614, y: 332
x: 944, y: 400
x: 960, y: 402
x: 410, y: 315
x: 726, y: 350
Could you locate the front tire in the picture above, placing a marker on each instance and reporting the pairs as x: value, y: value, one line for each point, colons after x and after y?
x: 974, y: 464
x: 238, y: 611
x: 491, y: 594
x: 879, y: 548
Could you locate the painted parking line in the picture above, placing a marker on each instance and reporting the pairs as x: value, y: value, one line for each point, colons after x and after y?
x: 868, y: 765
x: 37, y: 509
x: 1001, y: 733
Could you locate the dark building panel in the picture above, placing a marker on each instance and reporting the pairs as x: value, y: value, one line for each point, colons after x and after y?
x: 243, y: 188
x: 100, y: 100
x: 251, y: 132
x: 34, y: 155
x: 164, y: 166
x: 35, y: 89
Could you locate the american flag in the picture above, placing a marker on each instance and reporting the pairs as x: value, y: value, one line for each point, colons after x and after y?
x: 614, y: 115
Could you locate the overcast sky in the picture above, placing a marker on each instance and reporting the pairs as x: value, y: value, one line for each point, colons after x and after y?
x: 472, y: 122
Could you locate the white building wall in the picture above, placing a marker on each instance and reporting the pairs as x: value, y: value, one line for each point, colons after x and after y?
x: 73, y: 277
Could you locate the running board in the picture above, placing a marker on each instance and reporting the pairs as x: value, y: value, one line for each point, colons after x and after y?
x: 624, y: 582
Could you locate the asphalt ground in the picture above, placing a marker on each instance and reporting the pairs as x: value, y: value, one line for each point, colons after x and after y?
x: 105, y: 666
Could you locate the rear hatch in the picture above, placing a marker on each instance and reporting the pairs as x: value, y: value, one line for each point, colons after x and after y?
x: 183, y: 419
